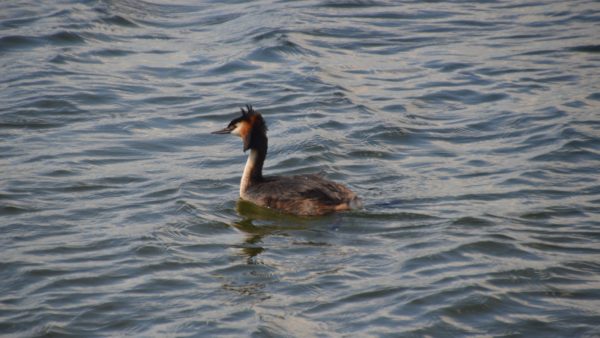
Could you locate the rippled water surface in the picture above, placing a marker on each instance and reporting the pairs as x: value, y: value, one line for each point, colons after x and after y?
x: 470, y: 129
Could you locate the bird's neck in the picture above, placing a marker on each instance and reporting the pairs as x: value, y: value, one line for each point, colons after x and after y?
x: 253, y: 169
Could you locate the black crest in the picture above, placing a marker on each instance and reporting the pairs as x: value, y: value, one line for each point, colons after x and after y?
x: 257, y: 138
x: 248, y: 112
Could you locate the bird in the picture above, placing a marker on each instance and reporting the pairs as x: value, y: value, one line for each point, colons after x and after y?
x: 301, y: 195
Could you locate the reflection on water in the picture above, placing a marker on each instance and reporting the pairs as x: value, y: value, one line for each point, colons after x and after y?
x: 469, y: 129
x: 256, y: 224
x: 259, y: 222
x: 254, y: 234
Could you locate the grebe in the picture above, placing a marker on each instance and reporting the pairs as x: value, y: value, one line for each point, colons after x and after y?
x: 304, y: 195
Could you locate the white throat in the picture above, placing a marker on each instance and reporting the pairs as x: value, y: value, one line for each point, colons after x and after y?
x: 250, y: 163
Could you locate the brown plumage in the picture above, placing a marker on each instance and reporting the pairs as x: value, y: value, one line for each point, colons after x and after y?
x: 305, y: 195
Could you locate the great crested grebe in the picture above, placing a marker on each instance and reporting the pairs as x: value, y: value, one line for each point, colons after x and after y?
x: 305, y: 195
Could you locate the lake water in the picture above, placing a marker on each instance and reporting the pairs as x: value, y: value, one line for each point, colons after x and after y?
x: 470, y: 129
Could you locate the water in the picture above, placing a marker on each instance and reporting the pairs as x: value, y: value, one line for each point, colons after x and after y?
x: 470, y: 129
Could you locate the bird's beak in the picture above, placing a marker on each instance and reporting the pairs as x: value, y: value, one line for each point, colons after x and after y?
x: 223, y: 131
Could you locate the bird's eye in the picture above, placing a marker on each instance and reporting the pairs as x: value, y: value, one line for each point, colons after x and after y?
x: 236, y: 128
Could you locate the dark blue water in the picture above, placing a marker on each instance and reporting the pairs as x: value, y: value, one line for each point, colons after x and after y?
x: 470, y: 129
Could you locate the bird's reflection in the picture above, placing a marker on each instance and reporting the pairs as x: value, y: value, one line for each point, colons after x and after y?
x: 251, y: 279
x: 258, y: 223
x: 252, y: 243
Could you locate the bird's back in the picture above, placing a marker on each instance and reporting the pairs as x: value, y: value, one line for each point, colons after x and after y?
x: 306, y: 195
